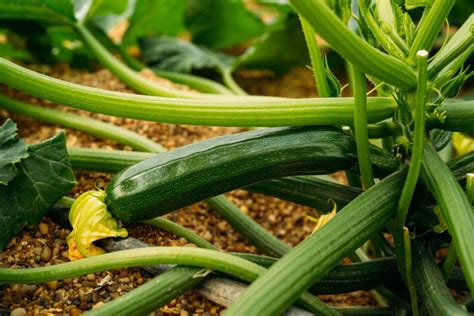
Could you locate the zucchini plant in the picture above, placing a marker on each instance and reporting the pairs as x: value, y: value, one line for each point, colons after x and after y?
x: 405, y: 199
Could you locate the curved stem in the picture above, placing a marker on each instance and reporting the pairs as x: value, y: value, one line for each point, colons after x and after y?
x: 248, y: 228
x: 402, y: 241
x: 360, y: 127
x: 231, y: 84
x: 195, y: 82
x: 223, y: 111
x: 449, y: 262
x: 196, y: 257
x: 365, y: 57
x: 417, y: 151
x: 317, y: 63
x: 90, y: 125
x: 387, y: 44
x: 180, y: 231
x: 126, y: 74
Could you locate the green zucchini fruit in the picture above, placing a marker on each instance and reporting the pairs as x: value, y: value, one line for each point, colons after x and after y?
x: 199, y: 171
x: 462, y: 165
x: 431, y: 284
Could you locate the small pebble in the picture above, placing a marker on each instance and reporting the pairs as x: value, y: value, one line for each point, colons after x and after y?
x: 83, y: 306
x: 37, y: 250
x: 18, y: 312
x: 27, y: 289
x: 53, y: 285
x: 112, y: 288
x: 75, y: 311
x: 44, y: 229
x: 123, y: 274
x: 46, y: 254
x: 90, y: 277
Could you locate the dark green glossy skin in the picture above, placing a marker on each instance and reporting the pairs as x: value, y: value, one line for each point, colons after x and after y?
x: 199, y: 171
x: 431, y: 284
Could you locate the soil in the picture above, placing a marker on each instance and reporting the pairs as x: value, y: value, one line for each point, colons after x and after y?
x: 45, y: 243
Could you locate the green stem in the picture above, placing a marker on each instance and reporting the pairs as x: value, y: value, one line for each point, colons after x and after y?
x: 271, y: 293
x: 178, y: 230
x: 248, y: 228
x: 126, y: 74
x: 455, y: 207
x: 448, y: 262
x: 381, y: 37
x: 196, y: 257
x: 365, y: 57
x: 417, y: 150
x: 83, y: 123
x: 360, y: 127
x: 317, y: 63
x: 231, y: 84
x: 387, y: 143
x: 402, y: 241
x: 223, y: 111
x: 307, y: 190
x: 408, y: 270
x: 195, y: 82
x: 66, y: 201
x: 429, y: 26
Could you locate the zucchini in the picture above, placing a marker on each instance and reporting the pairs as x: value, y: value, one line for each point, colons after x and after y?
x: 462, y: 165
x: 199, y: 171
x: 431, y: 285
x: 310, y: 191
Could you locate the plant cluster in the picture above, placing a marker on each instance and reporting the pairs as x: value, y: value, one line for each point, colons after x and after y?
x: 407, y: 198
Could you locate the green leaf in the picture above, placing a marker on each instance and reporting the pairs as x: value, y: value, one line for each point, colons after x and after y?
x: 279, y: 50
x: 155, y: 18
x: 43, y: 179
x: 12, y: 151
x: 52, y: 11
x: 109, y: 14
x: 177, y: 55
x: 221, y: 24
x: 7, y: 173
